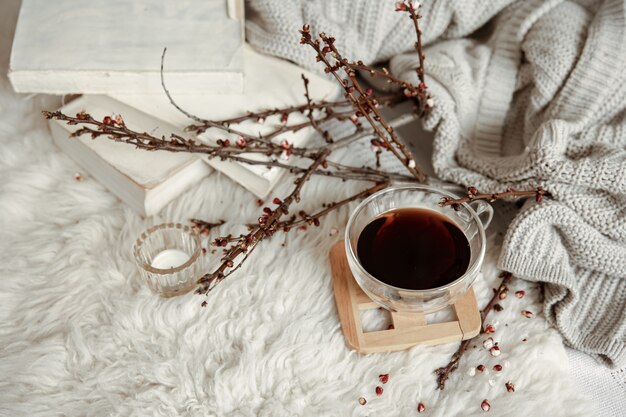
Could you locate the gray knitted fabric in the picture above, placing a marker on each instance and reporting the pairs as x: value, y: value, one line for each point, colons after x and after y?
x: 542, y: 97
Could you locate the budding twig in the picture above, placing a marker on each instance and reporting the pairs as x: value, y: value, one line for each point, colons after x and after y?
x: 267, y: 226
x: 473, y: 194
x: 364, y: 103
x: 444, y: 372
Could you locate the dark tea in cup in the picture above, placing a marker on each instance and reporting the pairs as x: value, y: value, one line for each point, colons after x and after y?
x: 414, y: 249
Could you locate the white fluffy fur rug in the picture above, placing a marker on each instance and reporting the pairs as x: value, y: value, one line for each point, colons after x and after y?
x: 80, y: 335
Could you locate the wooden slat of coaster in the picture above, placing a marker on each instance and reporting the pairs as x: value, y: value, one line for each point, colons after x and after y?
x: 467, y: 314
x: 409, y: 329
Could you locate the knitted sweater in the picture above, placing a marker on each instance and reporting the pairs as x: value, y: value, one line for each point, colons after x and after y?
x: 537, y: 95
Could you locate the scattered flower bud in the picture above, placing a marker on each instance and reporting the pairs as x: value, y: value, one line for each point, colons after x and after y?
x: 276, y: 200
x: 430, y: 103
x: 520, y: 294
x: 421, y: 408
x: 334, y: 231
x: 497, y: 367
x: 204, y: 251
x: 383, y: 378
x: 498, y: 307
x: 485, y: 405
x: 480, y: 368
x: 495, y: 351
x: 362, y: 401
x: 260, y: 202
x: 411, y: 164
x: 241, y: 142
x: 107, y: 120
x: 379, y: 391
x: 488, y: 343
x: 204, y: 303
x: 510, y: 387
x: 369, y: 91
x: 490, y: 328
x: 284, y: 118
x: 527, y: 314
x: 502, y: 295
x: 539, y: 197
x: 119, y: 120
x: 78, y: 177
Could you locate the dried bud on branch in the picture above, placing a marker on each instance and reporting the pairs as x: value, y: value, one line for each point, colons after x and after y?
x: 473, y: 194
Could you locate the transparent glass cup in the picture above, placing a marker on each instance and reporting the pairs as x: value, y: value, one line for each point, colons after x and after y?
x: 472, y: 218
x: 169, y: 237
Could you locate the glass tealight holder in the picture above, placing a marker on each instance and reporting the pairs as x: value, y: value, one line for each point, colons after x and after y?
x: 169, y: 258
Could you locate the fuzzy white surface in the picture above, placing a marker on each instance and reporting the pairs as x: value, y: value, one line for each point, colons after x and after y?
x: 81, y: 335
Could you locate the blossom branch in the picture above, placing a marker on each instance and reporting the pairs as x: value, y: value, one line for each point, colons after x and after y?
x: 413, y: 10
x: 444, y: 372
x: 473, y: 194
x: 313, y: 219
x: 267, y: 226
x: 309, y: 112
x: 365, y: 104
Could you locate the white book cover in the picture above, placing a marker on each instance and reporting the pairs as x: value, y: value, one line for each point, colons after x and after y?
x: 270, y: 82
x: 144, y: 180
x: 107, y: 46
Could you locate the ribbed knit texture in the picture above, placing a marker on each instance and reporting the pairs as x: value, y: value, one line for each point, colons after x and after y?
x: 542, y: 99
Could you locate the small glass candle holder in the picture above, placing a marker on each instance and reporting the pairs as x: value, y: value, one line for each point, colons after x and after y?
x: 169, y: 258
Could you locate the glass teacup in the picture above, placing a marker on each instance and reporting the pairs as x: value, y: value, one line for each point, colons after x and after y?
x: 471, y: 218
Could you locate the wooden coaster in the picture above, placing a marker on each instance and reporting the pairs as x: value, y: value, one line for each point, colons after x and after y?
x: 409, y: 329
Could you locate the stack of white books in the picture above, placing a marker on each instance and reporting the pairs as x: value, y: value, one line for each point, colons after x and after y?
x: 115, y: 65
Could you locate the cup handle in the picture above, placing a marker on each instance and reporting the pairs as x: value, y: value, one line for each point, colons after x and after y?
x: 484, y: 211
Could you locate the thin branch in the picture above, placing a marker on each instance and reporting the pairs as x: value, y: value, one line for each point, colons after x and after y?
x: 309, y: 112
x: 169, y: 96
x: 415, y: 17
x: 267, y: 226
x: 285, y: 111
x: 204, y: 227
x: 473, y: 194
x: 310, y: 219
x: 444, y: 372
x: 364, y: 104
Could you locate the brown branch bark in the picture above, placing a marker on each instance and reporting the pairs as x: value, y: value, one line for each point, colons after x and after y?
x: 444, y: 372
x: 309, y: 112
x: 473, y: 194
x: 364, y: 104
x: 267, y: 226
x: 310, y: 219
